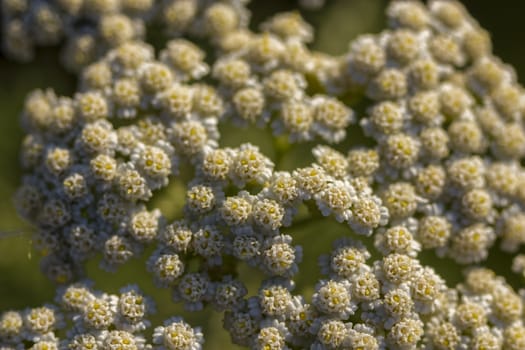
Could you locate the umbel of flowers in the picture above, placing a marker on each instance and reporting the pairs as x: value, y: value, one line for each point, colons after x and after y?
x: 444, y: 118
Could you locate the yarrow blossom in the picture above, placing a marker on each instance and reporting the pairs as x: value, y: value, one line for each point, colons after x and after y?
x: 441, y: 173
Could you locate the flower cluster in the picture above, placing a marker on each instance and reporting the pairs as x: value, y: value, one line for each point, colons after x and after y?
x: 93, y: 27
x: 100, y: 321
x: 442, y: 173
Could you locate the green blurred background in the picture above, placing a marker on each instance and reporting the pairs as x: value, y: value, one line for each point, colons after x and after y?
x: 22, y: 285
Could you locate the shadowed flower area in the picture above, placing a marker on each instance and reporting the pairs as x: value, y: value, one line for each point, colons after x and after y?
x: 310, y: 174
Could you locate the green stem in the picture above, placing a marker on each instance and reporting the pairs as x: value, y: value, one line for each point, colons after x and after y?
x: 281, y: 146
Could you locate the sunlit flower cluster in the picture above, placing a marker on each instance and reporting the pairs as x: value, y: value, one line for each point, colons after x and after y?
x: 441, y: 173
